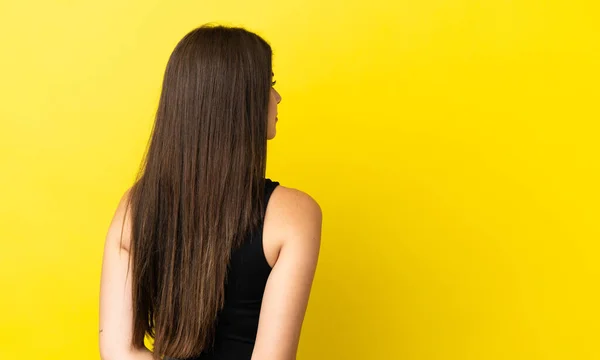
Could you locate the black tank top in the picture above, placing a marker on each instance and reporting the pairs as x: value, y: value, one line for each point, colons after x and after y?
x: 237, y: 323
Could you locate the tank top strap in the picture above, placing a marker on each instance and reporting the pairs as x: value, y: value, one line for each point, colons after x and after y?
x: 254, y: 249
x: 270, y: 186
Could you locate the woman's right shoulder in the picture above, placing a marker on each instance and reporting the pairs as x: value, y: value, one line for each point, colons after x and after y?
x: 293, y: 216
x: 295, y: 204
x: 291, y: 240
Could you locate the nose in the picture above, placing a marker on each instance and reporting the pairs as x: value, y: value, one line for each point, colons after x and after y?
x: 277, y: 96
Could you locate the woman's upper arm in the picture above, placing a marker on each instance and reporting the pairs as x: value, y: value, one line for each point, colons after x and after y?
x: 287, y: 291
x: 115, y: 288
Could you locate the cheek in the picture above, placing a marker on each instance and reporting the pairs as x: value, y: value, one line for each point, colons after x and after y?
x: 272, y: 101
x: 272, y: 108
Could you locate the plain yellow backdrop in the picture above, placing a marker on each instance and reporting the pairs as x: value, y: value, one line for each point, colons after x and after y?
x: 453, y: 146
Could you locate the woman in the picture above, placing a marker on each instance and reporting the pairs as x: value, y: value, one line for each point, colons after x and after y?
x: 204, y: 254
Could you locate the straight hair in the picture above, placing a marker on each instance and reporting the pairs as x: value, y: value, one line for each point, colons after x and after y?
x: 200, y: 187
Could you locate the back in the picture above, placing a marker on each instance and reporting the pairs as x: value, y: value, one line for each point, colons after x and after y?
x: 264, y: 307
x: 249, y: 271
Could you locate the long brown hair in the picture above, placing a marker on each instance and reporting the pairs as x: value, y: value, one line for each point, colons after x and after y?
x: 200, y: 187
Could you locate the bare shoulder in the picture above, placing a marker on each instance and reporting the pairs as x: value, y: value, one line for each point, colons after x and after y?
x: 295, y: 204
x: 294, y: 218
x: 119, y: 231
x: 294, y: 211
x: 291, y: 240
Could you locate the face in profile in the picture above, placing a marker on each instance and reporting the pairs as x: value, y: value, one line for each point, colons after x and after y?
x: 274, y: 99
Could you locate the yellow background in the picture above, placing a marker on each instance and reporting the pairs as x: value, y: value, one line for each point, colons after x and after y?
x: 453, y: 146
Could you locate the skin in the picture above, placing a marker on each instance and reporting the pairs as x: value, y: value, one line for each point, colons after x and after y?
x: 291, y: 243
x: 274, y: 100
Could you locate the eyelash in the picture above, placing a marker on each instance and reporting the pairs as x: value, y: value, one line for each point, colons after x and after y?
x: 273, y: 83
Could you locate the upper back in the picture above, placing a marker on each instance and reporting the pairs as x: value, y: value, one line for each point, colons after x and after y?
x: 248, y: 272
x: 260, y: 263
x: 267, y: 290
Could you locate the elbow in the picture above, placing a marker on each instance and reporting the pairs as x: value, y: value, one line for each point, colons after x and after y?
x: 108, y: 354
x: 118, y: 351
x: 272, y: 356
x: 105, y: 351
x: 113, y: 355
x: 111, y: 351
x: 104, y: 355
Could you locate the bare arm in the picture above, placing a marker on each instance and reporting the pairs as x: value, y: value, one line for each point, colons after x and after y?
x: 115, y: 293
x: 288, y: 288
